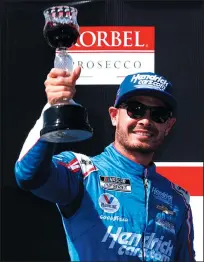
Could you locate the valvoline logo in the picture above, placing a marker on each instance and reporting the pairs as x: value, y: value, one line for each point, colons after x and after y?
x: 108, y: 199
x: 108, y: 203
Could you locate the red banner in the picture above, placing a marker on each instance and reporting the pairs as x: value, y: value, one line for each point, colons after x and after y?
x: 110, y: 38
x: 188, y: 177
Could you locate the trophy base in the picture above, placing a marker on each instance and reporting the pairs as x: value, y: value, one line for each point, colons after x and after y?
x: 65, y: 123
x: 66, y: 135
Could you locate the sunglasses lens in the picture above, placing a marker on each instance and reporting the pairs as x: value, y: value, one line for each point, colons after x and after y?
x: 136, y: 110
x: 160, y: 115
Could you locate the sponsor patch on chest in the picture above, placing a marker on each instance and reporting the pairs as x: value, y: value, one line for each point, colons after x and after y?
x: 109, y: 203
x: 115, y: 183
x: 162, y: 196
x: 165, y: 210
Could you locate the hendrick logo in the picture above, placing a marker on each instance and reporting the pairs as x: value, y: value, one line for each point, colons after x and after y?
x: 147, y: 81
x: 162, y: 196
x: 130, y: 244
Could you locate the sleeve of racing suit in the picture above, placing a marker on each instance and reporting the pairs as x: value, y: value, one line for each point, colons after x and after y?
x: 47, y: 176
x: 184, y: 247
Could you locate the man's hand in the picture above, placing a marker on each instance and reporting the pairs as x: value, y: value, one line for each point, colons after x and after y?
x: 60, y: 85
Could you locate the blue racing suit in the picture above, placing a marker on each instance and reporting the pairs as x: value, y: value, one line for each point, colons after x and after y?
x: 112, y: 208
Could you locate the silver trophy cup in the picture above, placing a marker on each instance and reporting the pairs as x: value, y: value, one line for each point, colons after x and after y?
x: 64, y: 122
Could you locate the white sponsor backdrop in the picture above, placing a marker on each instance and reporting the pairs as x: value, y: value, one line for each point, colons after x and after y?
x: 197, y: 210
x: 111, y: 68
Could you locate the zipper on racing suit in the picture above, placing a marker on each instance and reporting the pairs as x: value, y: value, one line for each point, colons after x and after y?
x: 145, y: 181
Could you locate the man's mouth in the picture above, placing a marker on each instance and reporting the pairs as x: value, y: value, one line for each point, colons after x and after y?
x: 145, y: 134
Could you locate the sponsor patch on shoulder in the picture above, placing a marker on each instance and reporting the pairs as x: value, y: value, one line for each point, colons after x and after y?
x: 86, y: 164
x: 182, y: 192
x: 115, y: 183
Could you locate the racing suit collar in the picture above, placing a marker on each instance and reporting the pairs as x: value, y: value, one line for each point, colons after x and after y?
x: 128, y: 165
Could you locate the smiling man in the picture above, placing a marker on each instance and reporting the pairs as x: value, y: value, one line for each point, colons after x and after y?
x: 143, y: 115
x: 114, y: 206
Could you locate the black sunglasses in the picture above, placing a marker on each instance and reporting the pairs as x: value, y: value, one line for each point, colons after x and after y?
x: 137, y: 110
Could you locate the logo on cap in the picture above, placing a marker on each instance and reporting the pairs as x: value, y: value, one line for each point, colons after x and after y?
x: 149, y: 81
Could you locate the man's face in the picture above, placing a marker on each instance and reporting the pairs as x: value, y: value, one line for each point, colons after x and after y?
x: 143, y: 134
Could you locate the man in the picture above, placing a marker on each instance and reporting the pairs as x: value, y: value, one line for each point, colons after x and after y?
x: 114, y: 206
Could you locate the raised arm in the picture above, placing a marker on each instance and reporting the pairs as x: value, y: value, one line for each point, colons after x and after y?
x: 37, y: 170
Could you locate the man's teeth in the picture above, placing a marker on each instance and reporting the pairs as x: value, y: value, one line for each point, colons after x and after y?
x: 143, y: 134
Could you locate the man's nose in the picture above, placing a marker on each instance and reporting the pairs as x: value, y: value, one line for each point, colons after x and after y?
x: 146, y: 119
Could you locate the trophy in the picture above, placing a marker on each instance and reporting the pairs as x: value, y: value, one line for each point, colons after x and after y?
x: 67, y: 121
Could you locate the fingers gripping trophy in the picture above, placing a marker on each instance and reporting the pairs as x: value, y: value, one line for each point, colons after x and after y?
x: 63, y: 122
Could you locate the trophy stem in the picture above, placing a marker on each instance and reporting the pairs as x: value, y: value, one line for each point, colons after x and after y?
x: 63, y: 60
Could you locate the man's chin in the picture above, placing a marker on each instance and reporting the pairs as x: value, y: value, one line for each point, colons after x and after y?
x: 144, y: 150
x: 141, y: 148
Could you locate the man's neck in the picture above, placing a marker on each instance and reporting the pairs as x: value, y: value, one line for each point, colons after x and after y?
x: 141, y: 158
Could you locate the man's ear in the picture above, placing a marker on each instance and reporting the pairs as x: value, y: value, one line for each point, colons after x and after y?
x: 113, y: 112
x: 170, y: 124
